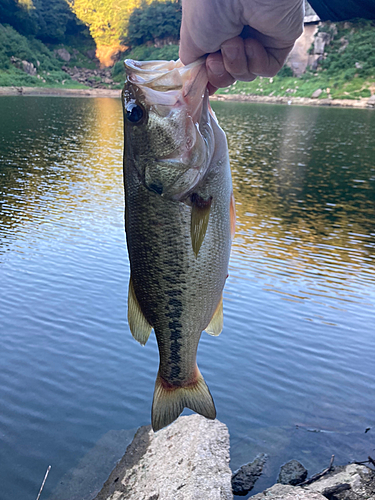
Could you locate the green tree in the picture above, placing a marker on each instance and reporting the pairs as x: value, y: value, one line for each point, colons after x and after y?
x: 48, y: 20
x: 154, y: 21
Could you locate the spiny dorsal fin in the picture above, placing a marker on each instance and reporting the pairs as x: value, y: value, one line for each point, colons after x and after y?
x: 216, y: 324
x: 200, y: 213
x: 138, y: 324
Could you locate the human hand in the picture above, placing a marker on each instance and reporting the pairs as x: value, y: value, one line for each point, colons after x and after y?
x: 268, y: 30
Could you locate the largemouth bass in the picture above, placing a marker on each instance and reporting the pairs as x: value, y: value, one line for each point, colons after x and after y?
x: 179, y: 222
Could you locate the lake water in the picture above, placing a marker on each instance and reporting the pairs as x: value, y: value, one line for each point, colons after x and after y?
x: 293, y: 372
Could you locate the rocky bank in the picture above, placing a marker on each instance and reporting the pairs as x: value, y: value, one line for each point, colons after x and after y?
x: 189, y: 460
x: 368, y: 103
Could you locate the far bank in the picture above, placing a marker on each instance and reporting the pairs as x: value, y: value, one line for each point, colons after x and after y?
x: 116, y: 93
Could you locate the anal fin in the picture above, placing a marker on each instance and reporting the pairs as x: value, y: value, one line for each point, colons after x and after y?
x: 138, y: 324
x: 215, y: 326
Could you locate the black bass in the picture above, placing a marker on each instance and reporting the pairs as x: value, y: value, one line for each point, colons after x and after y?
x: 179, y: 222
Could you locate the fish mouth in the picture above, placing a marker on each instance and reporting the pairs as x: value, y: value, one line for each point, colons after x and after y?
x: 170, y: 90
x: 170, y: 83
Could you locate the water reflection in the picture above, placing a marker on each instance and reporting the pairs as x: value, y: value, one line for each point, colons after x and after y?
x: 305, y: 190
x: 298, y: 343
x: 47, y: 151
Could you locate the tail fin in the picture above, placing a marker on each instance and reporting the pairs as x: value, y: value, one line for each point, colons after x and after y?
x: 169, y: 403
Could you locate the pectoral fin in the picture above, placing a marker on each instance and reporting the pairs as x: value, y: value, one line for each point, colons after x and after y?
x: 200, y: 213
x: 216, y: 324
x: 138, y: 324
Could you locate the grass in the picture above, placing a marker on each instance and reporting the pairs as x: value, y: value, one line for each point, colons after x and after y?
x: 336, y: 87
x: 347, y: 71
x: 17, y: 48
x: 18, y: 78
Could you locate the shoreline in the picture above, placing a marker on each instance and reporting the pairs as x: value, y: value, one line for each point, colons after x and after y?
x: 59, y: 92
x: 363, y: 103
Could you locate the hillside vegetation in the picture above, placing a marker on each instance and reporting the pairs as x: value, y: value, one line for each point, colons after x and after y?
x: 346, y: 71
x: 33, y: 31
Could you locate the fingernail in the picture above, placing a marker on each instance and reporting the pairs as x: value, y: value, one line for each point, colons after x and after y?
x: 216, y: 67
x: 230, y: 52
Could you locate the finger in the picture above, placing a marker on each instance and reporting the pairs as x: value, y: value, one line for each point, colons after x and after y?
x: 264, y: 61
x: 211, y: 89
x: 235, y: 59
x: 218, y: 76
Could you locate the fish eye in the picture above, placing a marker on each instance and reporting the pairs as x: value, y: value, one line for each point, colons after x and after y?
x: 134, y: 112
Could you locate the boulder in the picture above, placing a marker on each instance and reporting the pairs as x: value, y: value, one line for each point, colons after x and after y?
x: 63, y: 54
x: 286, y: 492
x: 293, y: 473
x: 350, y: 482
x: 189, y: 460
x: 371, y: 101
x: 29, y: 68
x: 316, y: 94
x: 245, y: 477
x: 320, y: 41
x: 91, y: 54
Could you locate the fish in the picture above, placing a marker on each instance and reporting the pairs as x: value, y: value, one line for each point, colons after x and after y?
x: 179, y: 224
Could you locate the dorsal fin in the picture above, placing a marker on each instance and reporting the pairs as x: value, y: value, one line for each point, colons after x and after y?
x: 138, y: 324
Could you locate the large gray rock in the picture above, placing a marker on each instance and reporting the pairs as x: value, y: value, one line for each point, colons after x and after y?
x: 286, y: 492
x: 316, y: 94
x: 63, y: 54
x: 321, y: 39
x: 293, y: 473
x: 245, y: 477
x: 29, y: 68
x: 189, y: 460
x: 351, y: 482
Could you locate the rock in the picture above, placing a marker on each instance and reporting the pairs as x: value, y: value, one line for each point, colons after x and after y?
x: 286, y: 492
x: 189, y: 460
x: 320, y: 40
x: 371, y: 104
x: 245, y: 477
x: 315, y: 60
x: 63, y: 54
x: 316, y: 94
x: 29, y: 68
x: 351, y: 482
x: 292, y: 473
x: 85, y: 480
x: 91, y: 54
